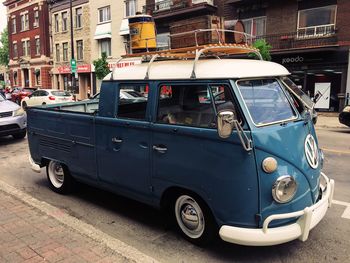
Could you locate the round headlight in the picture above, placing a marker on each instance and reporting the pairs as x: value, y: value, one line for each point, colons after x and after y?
x: 284, y: 189
x: 269, y: 165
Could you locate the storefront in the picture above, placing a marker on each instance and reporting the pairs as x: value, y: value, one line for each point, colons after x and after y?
x: 321, y: 74
x: 63, y: 80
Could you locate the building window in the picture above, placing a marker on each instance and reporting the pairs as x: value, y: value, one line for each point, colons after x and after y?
x: 37, y: 46
x: 65, y: 51
x: 26, y: 48
x: 80, y: 48
x: 64, y: 21
x: 24, y: 22
x: 15, y: 51
x: 104, y: 14
x: 130, y: 7
x: 255, y: 26
x: 36, y: 18
x: 317, y: 22
x: 37, y: 77
x: 105, y: 46
x: 58, y: 55
x: 57, y: 23
x: 163, y: 40
x: 14, y: 29
x: 15, y: 78
x: 78, y: 17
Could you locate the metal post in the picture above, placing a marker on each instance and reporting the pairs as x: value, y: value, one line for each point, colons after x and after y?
x: 72, y: 43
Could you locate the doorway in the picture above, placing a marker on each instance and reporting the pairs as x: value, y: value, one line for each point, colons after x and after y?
x: 26, y: 77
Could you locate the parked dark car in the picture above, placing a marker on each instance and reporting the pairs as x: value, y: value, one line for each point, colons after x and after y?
x: 344, y: 116
x: 18, y: 95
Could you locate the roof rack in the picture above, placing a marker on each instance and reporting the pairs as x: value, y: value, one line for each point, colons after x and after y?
x: 215, y: 50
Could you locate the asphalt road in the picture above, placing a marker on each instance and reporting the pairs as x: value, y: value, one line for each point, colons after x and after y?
x: 142, y: 227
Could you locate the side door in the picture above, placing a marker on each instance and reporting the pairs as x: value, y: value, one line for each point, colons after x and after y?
x: 123, y: 144
x: 33, y: 98
x: 188, y: 153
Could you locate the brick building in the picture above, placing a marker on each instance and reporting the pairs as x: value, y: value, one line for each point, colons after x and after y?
x: 309, y: 37
x: 62, y: 49
x: 29, y: 44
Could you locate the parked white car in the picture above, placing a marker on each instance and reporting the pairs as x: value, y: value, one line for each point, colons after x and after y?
x: 47, y: 96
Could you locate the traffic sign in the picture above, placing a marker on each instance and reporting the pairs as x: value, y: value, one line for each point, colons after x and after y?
x: 73, y: 65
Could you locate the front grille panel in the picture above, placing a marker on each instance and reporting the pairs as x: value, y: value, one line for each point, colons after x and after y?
x: 9, y: 127
x: 5, y: 114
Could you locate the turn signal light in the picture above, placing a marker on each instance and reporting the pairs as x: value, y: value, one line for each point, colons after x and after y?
x: 52, y: 98
x: 269, y: 165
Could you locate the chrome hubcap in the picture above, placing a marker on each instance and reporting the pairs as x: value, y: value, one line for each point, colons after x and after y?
x: 56, y: 174
x: 189, y: 216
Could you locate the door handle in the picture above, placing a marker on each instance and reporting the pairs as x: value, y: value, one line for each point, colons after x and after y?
x: 117, y: 140
x: 160, y: 149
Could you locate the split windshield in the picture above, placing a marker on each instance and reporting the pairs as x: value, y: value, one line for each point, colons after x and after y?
x: 266, y: 101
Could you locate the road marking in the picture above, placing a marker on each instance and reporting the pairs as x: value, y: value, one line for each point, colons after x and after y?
x: 335, y: 151
x: 81, y: 227
x: 346, y: 213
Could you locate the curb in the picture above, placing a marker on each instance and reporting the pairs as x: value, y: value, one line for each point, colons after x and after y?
x: 81, y: 227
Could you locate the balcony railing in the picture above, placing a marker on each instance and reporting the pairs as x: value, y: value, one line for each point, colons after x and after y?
x: 316, y: 31
x: 173, y: 4
x: 302, y: 39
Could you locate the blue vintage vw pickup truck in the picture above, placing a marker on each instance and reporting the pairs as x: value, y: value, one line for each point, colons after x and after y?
x: 226, y: 146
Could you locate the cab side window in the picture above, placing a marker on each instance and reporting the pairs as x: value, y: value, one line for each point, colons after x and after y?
x: 186, y: 105
x: 132, y: 101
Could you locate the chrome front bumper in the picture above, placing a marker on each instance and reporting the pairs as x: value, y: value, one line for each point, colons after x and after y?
x: 308, y: 219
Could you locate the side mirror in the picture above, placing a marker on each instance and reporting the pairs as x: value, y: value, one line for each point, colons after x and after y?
x: 225, y: 121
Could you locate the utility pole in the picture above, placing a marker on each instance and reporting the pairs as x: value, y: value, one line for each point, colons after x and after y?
x: 73, y: 72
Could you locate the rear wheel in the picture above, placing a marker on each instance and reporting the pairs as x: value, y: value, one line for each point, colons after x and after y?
x: 194, y: 219
x: 20, y: 135
x: 59, y: 177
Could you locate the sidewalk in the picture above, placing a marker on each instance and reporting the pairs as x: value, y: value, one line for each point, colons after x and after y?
x: 35, y: 231
x: 329, y: 120
x: 28, y: 235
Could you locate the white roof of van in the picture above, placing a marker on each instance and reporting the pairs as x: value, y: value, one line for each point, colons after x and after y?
x: 205, y: 69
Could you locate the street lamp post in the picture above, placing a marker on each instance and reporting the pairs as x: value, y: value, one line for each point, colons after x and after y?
x: 72, y: 45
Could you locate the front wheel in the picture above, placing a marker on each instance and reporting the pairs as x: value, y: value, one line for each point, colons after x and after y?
x: 194, y: 219
x: 59, y: 177
x: 20, y: 135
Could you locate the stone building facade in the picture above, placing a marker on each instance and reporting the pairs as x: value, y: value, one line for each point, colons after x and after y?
x: 61, y: 46
x: 29, y: 44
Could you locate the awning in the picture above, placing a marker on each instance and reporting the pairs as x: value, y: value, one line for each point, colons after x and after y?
x: 124, y: 27
x: 103, y: 31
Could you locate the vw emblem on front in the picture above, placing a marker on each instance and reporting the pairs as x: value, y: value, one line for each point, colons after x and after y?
x: 311, y: 151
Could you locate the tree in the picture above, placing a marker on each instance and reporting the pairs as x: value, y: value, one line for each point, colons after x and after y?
x: 101, y: 66
x: 4, y: 48
x: 264, y: 48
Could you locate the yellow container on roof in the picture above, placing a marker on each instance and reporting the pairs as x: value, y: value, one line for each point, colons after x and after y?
x: 142, y: 33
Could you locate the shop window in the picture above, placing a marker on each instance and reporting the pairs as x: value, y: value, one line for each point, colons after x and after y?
x: 58, y: 54
x: 57, y: 23
x: 78, y: 17
x: 104, y: 14
x: 64, y: 21
x: 130, y: 8
x: 37, y: 46
x: 15, y: 51
x: 255, y: 26
x: 317, y: 22
x: 37, y: 77
x: 80, y: 49
x: 14, y: 28
x: 36, y: 18
x: 132, y: 102
x: 105, y: 46
x: 65, y: 51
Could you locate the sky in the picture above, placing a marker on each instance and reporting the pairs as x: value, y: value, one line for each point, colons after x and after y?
x: 3, y: 17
